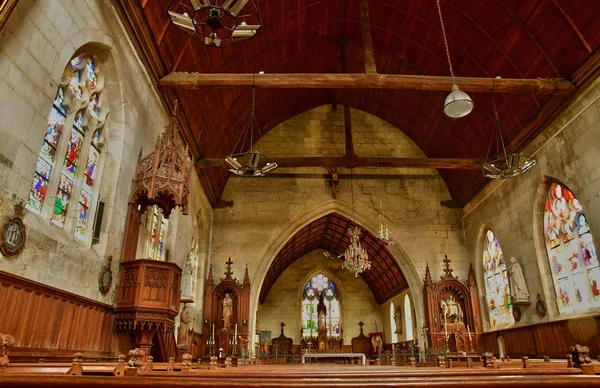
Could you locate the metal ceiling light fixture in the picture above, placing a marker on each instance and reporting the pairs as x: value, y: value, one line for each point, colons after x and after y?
x: 458, y: 103
x: 506, y: 166
x: 216, y: 23
x: 251, y: 163
x: 356, y: 258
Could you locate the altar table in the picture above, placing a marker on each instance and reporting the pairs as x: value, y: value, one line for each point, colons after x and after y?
x: 350, y: 356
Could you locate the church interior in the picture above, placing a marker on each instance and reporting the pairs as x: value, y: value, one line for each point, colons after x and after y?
x: 299, y: 193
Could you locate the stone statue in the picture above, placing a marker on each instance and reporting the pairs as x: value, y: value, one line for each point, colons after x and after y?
x: 227, y: 310
x: 518, y: 286
x: 184, y: 320
x: 398, y: 320
x: 451, y: 308
x: 187, y: 285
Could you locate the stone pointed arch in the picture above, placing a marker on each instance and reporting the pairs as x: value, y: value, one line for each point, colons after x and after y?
x: 362, y: 218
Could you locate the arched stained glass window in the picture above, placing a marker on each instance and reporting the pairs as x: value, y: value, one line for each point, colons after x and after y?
x: 320, y: 284
x: 571, y: 251
x: 499, y: 301
x: 79, y: 98
x: 156, y: 226
x: 408, y: 318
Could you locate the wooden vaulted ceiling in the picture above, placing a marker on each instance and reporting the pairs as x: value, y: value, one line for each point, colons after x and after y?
x: 385, y: 278
x: 507, y: 38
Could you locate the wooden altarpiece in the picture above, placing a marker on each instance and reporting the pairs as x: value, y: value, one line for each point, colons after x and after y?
x: 218, y: 333
x: 456, y: 331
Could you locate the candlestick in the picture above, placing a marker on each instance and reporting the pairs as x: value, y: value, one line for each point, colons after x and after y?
x: 469, y: 332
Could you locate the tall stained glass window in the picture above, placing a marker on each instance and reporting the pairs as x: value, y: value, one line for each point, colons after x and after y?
x: 54, y: 128
x: 78, y: 103
x: 408, y: 318
x: 320, y: 284
x: 499, y: 301
x: 156, y: 225
x: 571, y: 251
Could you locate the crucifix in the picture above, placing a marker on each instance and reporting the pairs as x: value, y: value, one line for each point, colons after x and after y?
x: 282, y: 325
x: 228, y: 273
x: 361, y: 324
x: 448, y: 270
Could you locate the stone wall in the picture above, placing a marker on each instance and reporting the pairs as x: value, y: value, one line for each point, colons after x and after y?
x: 36, y: 44
x: 267, y: 212
x: 283, y: 304
x: 567, y: 151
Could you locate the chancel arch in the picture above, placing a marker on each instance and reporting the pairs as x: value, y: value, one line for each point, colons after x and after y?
x: 341, y: 209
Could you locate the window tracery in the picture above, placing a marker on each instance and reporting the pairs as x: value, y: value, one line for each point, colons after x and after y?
x: 320, y: 284
x: 79, y: 98
x: 498, y: 296
x: 571, y: 251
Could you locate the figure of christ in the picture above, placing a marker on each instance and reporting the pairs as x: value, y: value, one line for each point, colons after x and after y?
x: 227, y: 311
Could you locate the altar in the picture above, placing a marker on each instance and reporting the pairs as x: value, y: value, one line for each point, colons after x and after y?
x: 349, y: 356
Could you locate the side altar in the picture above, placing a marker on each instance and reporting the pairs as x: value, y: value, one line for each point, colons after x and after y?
x: 226, y: 315
x: 451, y: 311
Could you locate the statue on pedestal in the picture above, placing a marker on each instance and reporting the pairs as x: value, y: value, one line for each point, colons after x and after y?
x: 227, y: 311
x: 451, y: 308
x: 517, y: 282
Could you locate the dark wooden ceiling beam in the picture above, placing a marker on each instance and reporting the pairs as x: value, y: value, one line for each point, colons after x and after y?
x: 354, y: 161
x: 368, y: 57
x: 557, y: 86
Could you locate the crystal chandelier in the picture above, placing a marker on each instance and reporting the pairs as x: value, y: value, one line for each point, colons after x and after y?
x: 216, y: 23
x: 356, y: 258
x: 506, y: 166
x: 251, y: 163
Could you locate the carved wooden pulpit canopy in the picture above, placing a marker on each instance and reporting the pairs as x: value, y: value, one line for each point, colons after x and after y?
x: 162, y: 177
x: 226, y: 312
x: 451, y: 310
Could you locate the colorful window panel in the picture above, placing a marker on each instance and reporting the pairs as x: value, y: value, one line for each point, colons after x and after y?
x: 67, y: 176
x: 320, y: 283
x: 54, y: 129
x: 87, y: 187
x: 157, y: 228
x: 92, y: 76
x: 571, y: 251
x: 498, y: 297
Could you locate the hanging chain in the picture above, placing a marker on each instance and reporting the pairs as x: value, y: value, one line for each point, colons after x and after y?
x: 446, y: 42
x: 352, y: 188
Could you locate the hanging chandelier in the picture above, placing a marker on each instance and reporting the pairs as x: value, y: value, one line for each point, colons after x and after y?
x: 356, y: 258
x: 251, y: 163
x: 506, y: 166
x: 458, y: 103
x: 216, y: 23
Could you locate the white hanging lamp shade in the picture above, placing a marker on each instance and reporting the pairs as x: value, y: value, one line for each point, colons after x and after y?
x: 458, y: 103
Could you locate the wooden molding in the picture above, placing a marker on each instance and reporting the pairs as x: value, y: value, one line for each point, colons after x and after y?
x: 556, y: 86
x: 353, y: 161
x: 6, y: 8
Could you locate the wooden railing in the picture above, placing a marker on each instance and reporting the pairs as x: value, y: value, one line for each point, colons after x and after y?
x: 51, y: 324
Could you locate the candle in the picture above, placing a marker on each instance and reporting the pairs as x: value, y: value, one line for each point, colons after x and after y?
x: 235, y: 334
x: 213, y: 334
x: 445, y: 326
x: 469, y: 332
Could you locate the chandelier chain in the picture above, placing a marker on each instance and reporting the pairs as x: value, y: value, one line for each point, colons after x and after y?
x: 446, y: 42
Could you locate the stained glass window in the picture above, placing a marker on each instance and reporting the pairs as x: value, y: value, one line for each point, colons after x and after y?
x: 499, y: 301
x: 156, y: 224
x: 408, y: 318
x: 54, y: 129
x: 320, y: 284
x: 571, y: 251
x: 67, y: 176
x: 83, y: 89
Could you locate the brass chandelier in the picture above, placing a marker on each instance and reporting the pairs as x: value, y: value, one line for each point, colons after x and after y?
x: 216, y: 23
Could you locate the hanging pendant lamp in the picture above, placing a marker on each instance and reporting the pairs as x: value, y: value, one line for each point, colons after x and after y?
x: 458, y: 103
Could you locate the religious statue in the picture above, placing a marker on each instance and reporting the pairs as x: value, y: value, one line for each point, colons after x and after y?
x: 227, y: 311
x: 451, y: 307
x: 398, y: 320
x: 184, y: 320
x: 187, y: 285
x: 517, y: 282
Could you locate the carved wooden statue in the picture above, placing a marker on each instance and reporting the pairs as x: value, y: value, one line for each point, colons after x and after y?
x: 6, y: 341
